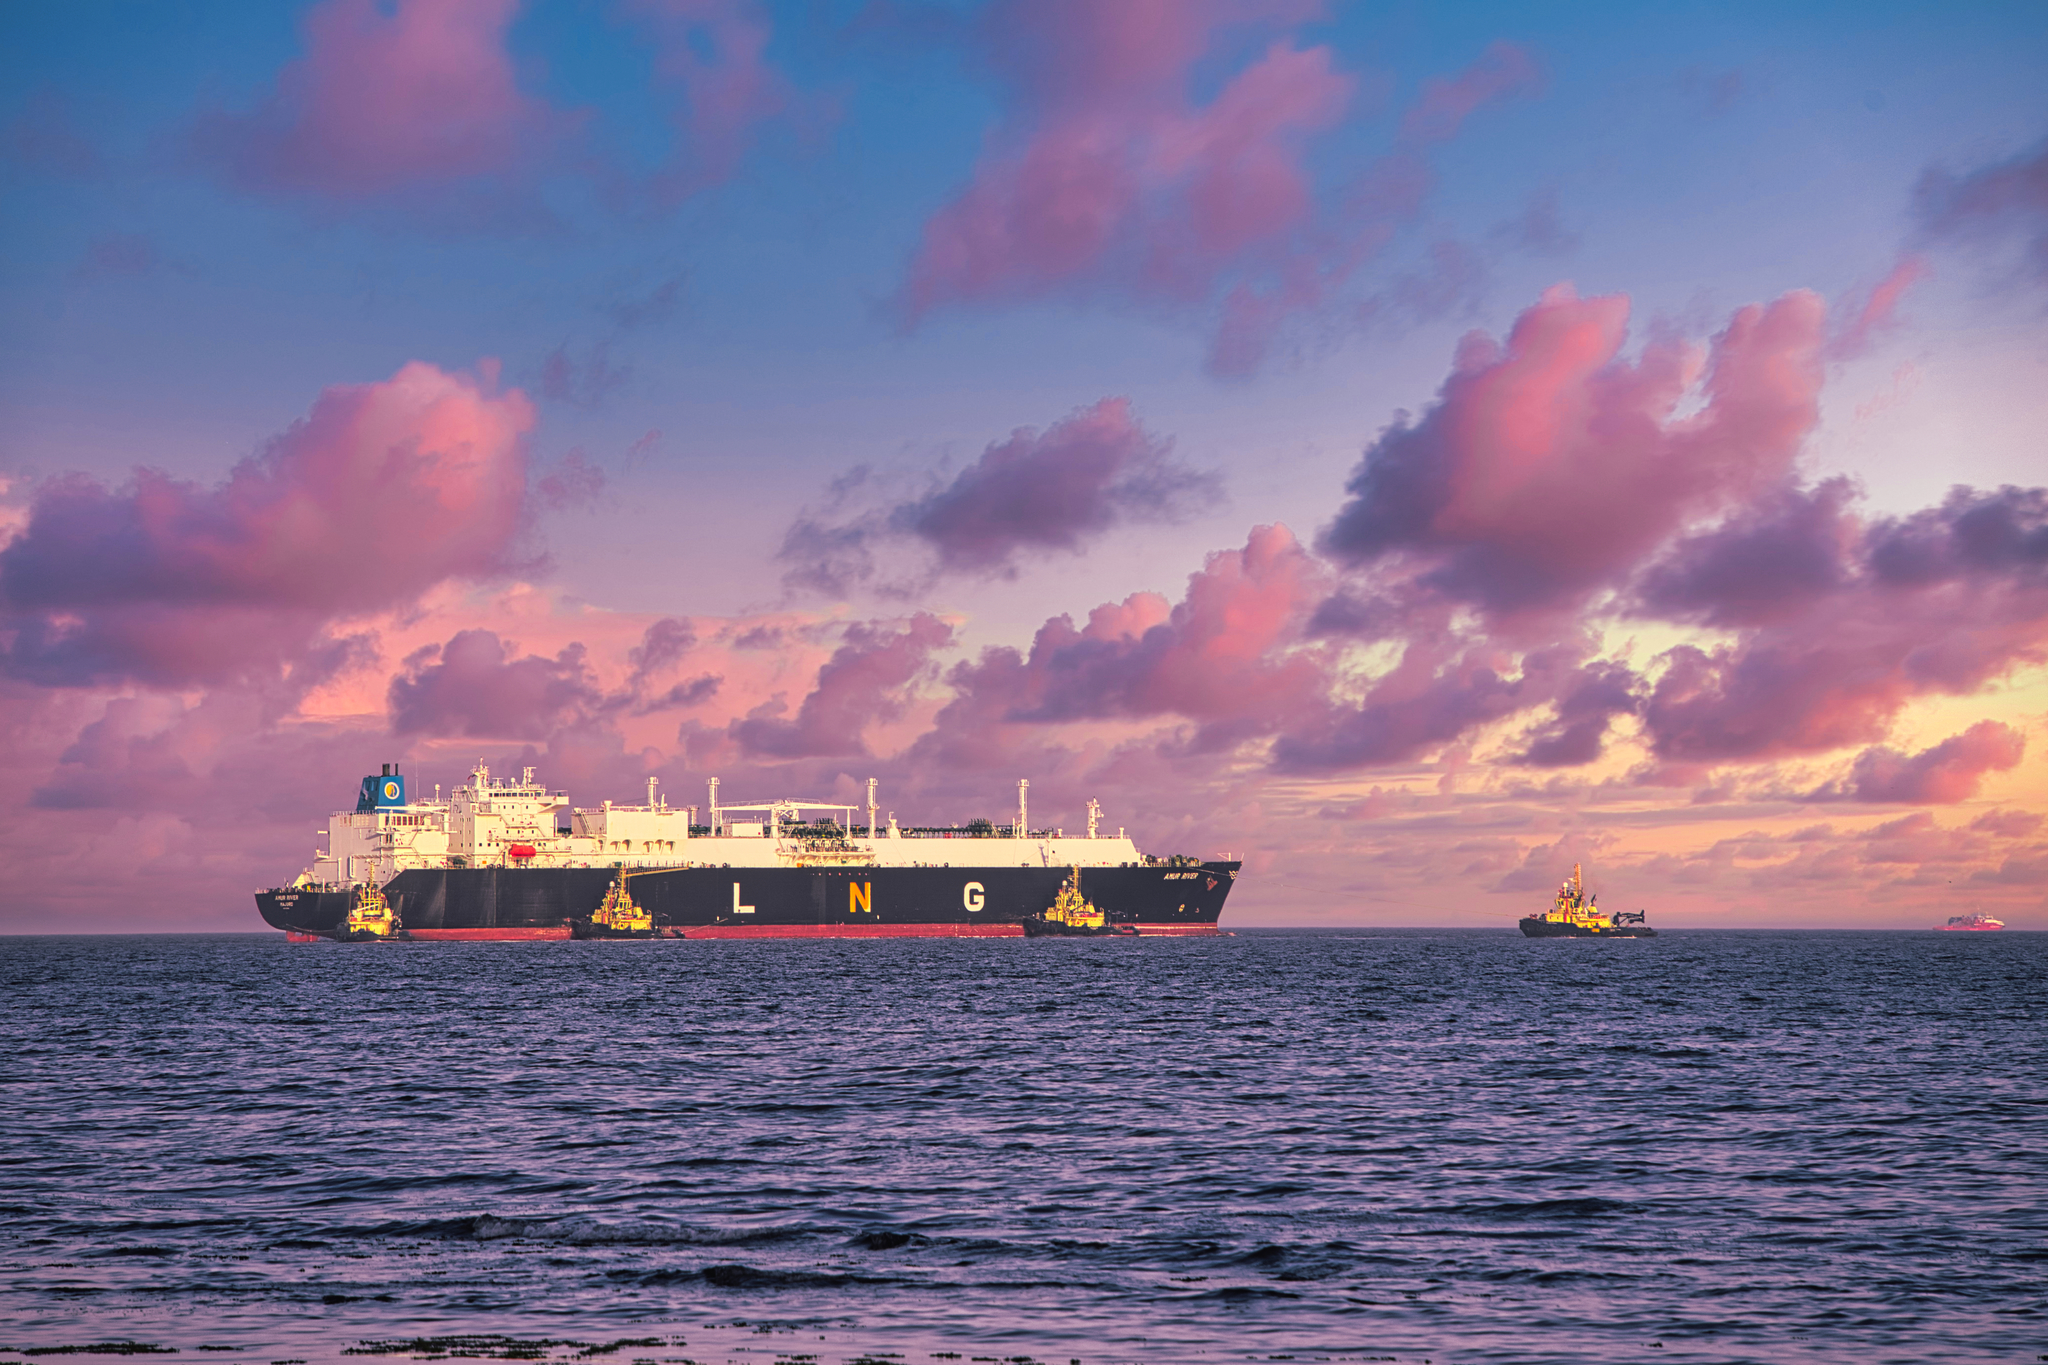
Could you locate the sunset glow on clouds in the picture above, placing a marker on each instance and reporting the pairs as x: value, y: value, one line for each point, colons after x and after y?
x: 723, y: 389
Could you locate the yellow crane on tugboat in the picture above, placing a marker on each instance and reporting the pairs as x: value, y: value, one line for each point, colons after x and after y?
x: 370, y: 918
x: 616, y: 916
x: 1573, y: 914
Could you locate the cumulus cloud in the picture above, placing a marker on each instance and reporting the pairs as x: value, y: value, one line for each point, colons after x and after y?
x: 1109, y: 176
x: 1772, y: 560
x: 380, y: 492
x: 416, y: 108
x: 1973, y: 535
x: 476, y: 687
x: 1548, y: 467
x: 1107, y: 163
x: 866, y: 680
x: 1230, y: 656
x: 1937, y: 603
x: 1441, y: 688
x: 1311, y: 276
x: 1036, y: 492
x: 1586, y: 708
x: 1942, y: 774
x: 663, y: 644
x: 423, y: 94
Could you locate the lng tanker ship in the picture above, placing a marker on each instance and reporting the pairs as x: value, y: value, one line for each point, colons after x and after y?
x: 514, y: 860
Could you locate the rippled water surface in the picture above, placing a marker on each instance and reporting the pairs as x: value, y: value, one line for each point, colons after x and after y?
x: 1460, y: 1146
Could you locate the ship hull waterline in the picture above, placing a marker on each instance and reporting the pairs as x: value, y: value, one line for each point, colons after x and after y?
x: 456, y: 904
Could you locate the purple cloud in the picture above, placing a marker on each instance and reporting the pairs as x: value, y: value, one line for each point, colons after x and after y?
x: 382, y: 491
x: 864, y: 681
x: 475, y: 687
x: 2004, y: 202
x: 1036, y: 492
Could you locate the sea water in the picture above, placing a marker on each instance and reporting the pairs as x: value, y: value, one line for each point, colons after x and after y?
x: 1339, y: 1145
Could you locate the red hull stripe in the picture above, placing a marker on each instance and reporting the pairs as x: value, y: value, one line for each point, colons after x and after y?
x: 853, y: 931
x: 1177, y: 930
x: 556, y: 931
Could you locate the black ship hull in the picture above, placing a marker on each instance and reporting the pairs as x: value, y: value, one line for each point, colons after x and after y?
x: 768, y: 902
x: 1535, y: 926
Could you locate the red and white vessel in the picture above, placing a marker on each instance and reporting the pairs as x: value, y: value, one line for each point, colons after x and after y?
x: 1971, y: 922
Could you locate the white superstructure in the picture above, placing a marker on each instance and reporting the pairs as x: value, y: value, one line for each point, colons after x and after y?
x: 489, y: 823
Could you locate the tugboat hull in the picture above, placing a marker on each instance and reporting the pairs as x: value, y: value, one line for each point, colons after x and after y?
x: 1035, y: 927
x: 1535, y: 926
x: 583, y: 928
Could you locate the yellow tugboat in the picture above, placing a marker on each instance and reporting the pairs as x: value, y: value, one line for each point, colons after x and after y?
x: 1573, y: 915
x: 1073, y: 916
x: 615, y: 917
x: 370, y: 918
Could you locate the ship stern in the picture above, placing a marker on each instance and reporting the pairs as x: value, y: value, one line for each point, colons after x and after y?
x: 302, y: 912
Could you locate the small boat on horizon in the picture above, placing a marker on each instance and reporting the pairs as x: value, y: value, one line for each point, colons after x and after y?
x: 1970, y: 922
x: 1573, y: 914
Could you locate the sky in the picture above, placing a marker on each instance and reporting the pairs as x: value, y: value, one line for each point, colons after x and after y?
x: 1413, y: 449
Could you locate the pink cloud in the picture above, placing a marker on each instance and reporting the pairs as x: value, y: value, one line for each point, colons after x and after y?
x: 1107, y: 163
x: 866, y: 680
x: 1107, y: 177
x: 1943, y: 774
x: 1548, y: 467
x: 1879, y: 313
x: 423, y: 94
x: 476, y: 687
x: 1440, y: 689
x: 1937, y: 603
x: 1228, y: 657
x: 1312, y: 275
x: 1504, y: 71
x: 713, y: 55
x: 382, y: 491
x: 664, y: 644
